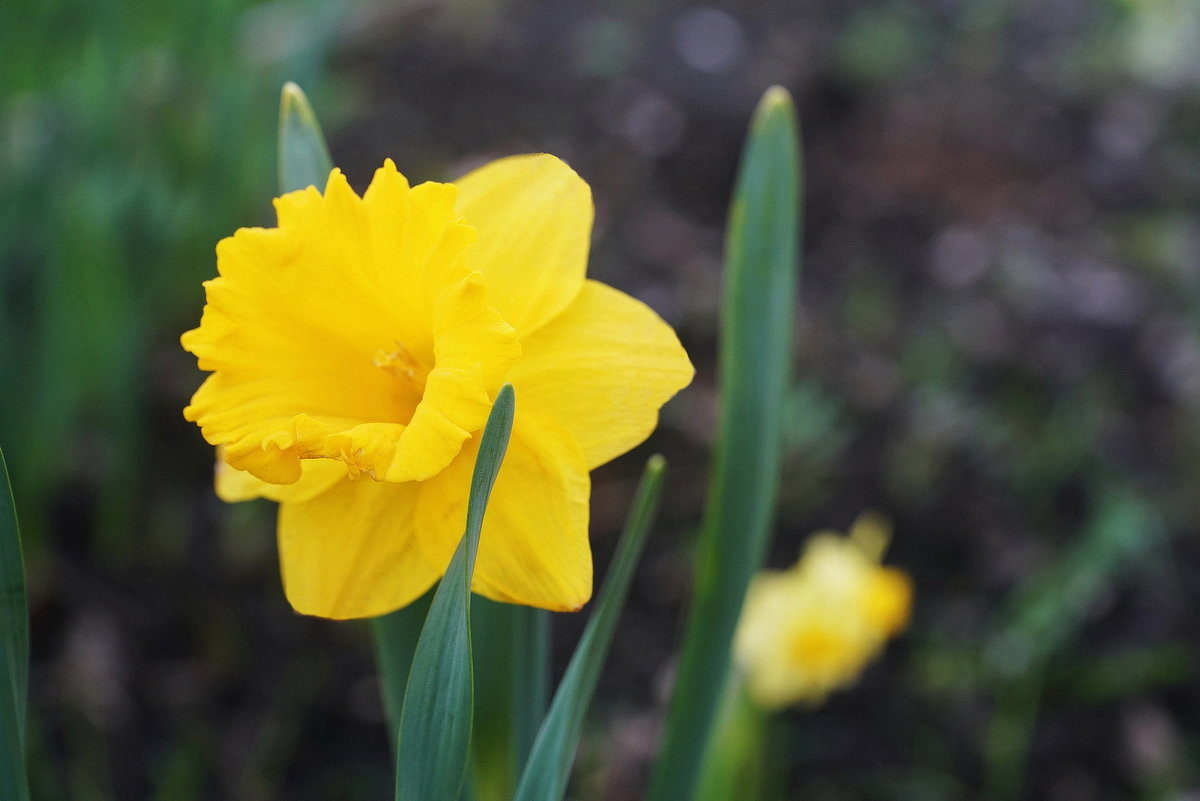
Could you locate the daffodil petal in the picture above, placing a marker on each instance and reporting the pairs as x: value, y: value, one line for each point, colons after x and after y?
x: 316, y: 476
x: 888, y: 600
x: 352, y: 551
x: 534, y: 218
x: 233, y: 485
x: 533, y: 548
x: 415, y: 254
x: 602, y: 369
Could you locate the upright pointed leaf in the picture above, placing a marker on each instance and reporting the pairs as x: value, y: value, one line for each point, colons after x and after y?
x: 736, y: 758
x: 303, y: 155
x: 435, y: 724
x: 395, y: 635
x: 14, y: 649
x: 549, y: 768
x: 754, y: 362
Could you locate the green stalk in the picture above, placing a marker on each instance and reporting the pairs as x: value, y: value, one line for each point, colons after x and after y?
x: 755, y: 373
x: 510, y: 696
x: 14, y: 649
x: 735, y: 766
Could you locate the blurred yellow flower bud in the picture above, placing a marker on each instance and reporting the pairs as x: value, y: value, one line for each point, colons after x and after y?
x: 811, y: 629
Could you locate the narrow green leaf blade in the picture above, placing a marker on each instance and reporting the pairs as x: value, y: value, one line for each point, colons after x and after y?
x: 755, y: 355
x: 737, y: 756
x: 395, y: 636
x: 435, y: 723
x: 14, y: 644
x: 549, y: 768
x: 303, y: 155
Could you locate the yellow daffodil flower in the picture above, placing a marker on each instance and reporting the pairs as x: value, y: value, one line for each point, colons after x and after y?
x: 356, y: 349
x: 811, y: 629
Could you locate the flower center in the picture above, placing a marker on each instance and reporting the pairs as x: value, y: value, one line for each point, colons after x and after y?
x: 818, y: 648
x: 402, y: 364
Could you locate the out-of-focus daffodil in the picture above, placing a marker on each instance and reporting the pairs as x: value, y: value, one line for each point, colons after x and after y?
x: 356, y: 349
x: 811, y: 629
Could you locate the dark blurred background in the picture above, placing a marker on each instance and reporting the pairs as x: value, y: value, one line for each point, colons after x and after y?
x: 997, y: 347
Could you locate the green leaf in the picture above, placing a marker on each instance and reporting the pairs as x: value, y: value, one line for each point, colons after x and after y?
x: 303, y: 155
x: 549, y: 768
x: 14, y: 649
x: 755, y: 372
x: 510, y: 696
x: 435, y: 724
x: 395, y: 636
x: 736, y: 760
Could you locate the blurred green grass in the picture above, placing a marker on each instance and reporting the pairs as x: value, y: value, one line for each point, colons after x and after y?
x: 133, y: 135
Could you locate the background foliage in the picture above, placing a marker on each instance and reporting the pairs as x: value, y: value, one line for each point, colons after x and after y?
x: 998, y: 348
